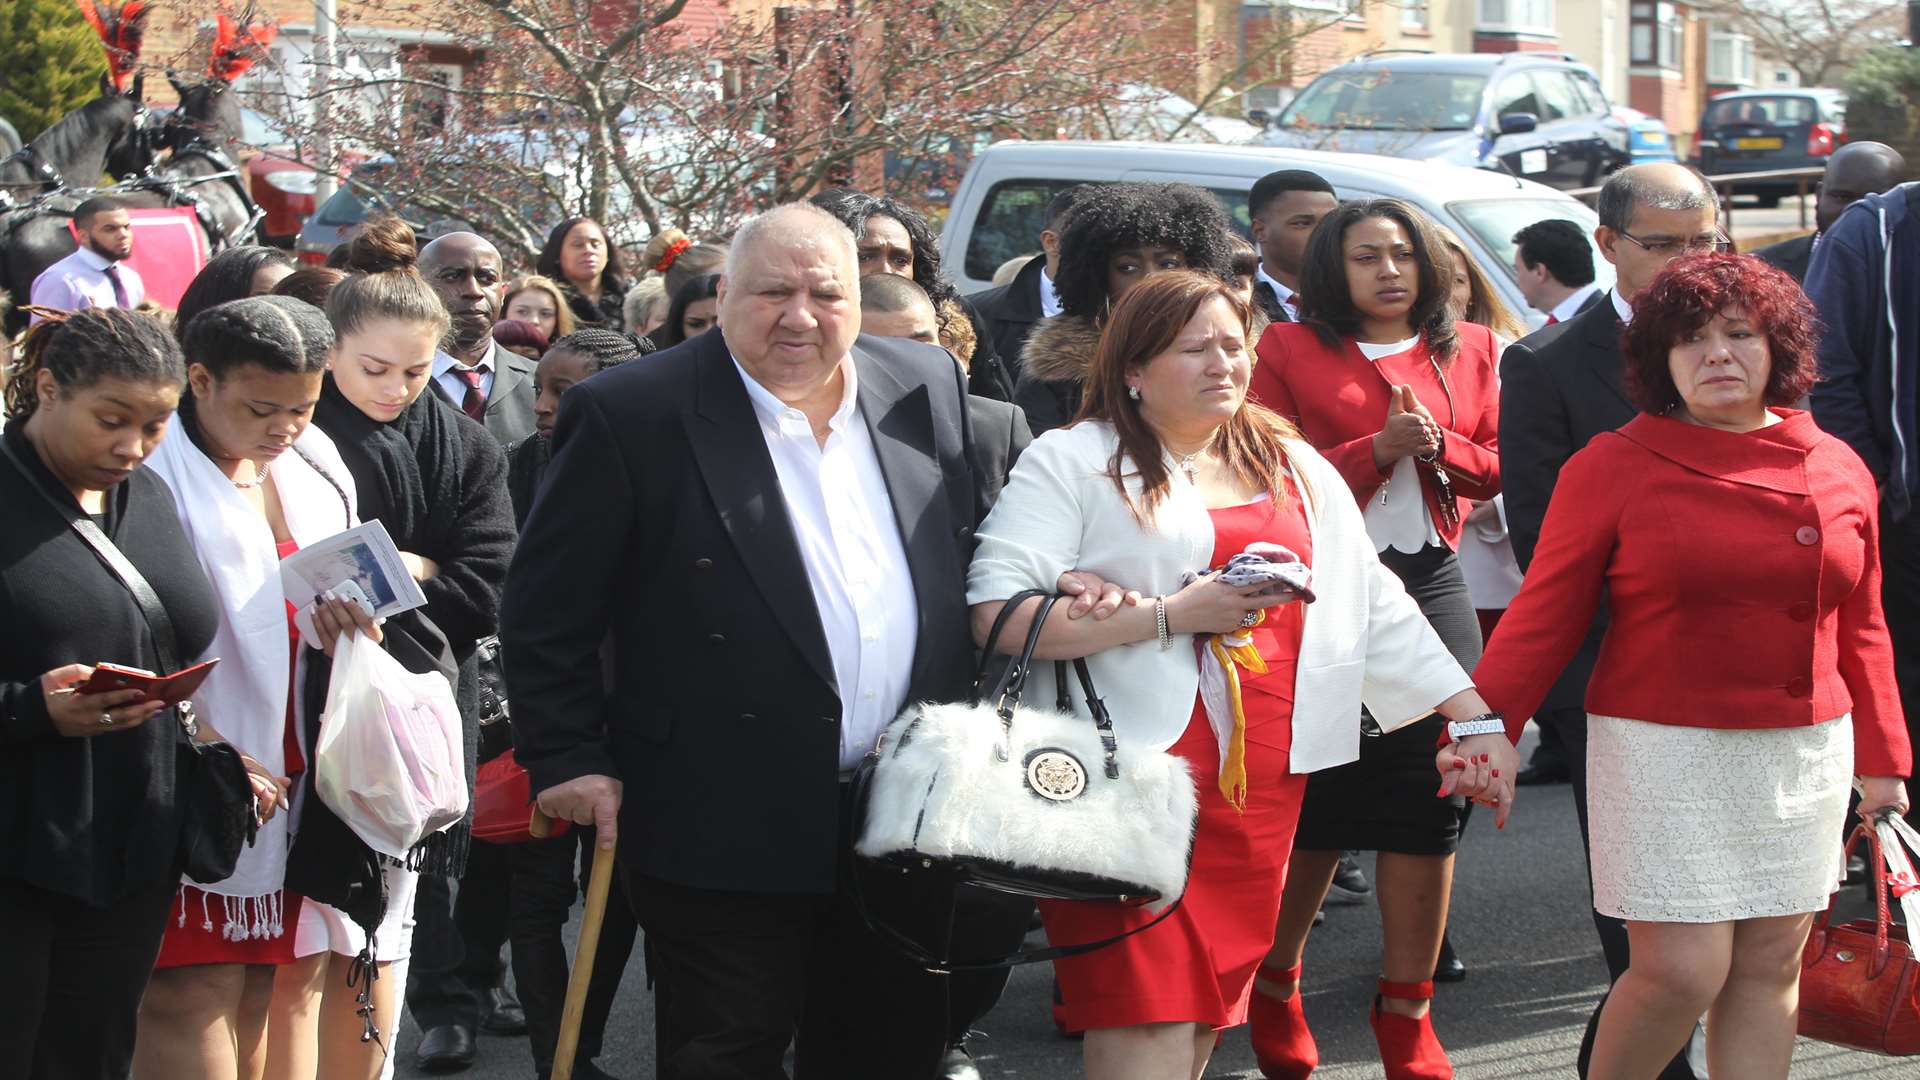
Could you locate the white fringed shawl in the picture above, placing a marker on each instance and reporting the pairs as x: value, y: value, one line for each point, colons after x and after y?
x: 245, y: 697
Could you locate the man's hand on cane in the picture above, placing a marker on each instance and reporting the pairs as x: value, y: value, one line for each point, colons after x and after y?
x: 586, y: 800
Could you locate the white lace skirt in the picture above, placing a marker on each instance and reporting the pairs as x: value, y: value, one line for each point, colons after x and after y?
x: 1704, y: 825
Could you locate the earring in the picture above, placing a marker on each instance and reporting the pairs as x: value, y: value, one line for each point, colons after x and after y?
x: 1133, y: 392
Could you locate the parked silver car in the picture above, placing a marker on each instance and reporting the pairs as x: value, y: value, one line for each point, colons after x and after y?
x: 1000, y: 206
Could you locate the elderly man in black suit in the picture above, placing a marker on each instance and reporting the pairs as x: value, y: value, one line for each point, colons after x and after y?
x: 769, y: 528
x: 1563, y: 385
x: 1855, y: 171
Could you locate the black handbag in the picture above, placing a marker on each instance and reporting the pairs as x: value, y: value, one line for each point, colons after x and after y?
x: 219, y: 815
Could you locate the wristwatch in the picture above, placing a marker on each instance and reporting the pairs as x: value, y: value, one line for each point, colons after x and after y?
x: 1491, y: 723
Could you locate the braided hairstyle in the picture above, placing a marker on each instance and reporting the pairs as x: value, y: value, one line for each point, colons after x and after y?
x: 89, y: 345
x: 603, y: 348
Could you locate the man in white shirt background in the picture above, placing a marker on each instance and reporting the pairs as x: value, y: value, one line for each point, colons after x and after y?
x: 1553, y: 265
x: 96, y: 275
x: 1284, y: 207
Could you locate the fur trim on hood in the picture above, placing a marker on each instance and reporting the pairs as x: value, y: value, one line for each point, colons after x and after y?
x: 1061, y: 348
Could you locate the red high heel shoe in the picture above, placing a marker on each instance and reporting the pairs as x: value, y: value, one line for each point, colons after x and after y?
x: 1282, y: 1044
x: 1408, y: 1047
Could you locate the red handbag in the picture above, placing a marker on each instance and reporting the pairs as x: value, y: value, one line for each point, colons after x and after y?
x: 503, y: 803
x: 1860, y: 983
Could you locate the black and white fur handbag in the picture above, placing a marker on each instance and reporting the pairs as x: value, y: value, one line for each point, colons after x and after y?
x: 1026, y: 800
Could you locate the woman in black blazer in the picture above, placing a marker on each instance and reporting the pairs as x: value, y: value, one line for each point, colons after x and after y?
x: 90, y: 820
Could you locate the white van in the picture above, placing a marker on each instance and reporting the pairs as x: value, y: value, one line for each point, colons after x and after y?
x: 1000, y: 207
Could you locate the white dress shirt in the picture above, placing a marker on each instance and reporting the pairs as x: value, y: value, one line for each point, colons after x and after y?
x: 856, y: 563
x: 1049, y: 296
x: 1280, y: 292
x: 1398, y: 518
x: 80, y: 281
x: 446, y: 372
x: 1568, y: 308
x: 1622, y: 308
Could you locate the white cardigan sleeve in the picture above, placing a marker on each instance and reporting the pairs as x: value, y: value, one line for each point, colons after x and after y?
x: 1408, y: 667
x: 1033, y: 533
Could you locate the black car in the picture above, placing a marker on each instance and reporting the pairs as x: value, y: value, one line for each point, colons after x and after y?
x: 1536, y: 114
x: 1764, y: 130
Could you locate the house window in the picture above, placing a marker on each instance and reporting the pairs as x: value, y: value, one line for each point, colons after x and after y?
x: 1729, y: 57
x: 1656, y: 34
x: 1414, y: 14
x: 1516, y: 16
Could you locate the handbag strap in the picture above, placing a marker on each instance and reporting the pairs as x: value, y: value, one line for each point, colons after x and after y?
x: 1883, y: 922
x: 987, y: 651
x: 151, y: 609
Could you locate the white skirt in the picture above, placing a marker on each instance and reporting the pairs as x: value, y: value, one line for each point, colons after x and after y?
x: 324, y: 928
x: 1706, y: 825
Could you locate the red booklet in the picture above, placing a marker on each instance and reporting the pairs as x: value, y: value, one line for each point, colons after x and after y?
x: 172, y: 689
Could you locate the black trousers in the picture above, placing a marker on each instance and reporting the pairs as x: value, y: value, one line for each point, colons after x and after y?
x: 1900, y: 595
x: 457, y: 940
x: 545, y: 886
x: 986, y: 924
x: 74, y: 976
x: 744, y: 975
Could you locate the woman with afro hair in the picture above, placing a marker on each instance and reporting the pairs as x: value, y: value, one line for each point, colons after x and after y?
x: 1118, y: 236
x: 892, y: 238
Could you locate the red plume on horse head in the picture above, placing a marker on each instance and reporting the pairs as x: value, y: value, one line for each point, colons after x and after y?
x: 238, y: 44
x: 122, y: 29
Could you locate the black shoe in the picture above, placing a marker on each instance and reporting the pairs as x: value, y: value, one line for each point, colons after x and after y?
x: 1350, y: 885
x: 444, y: 1049
x: 504, y: 1016
x: 958, y: 1065
x: 1449, y: 969
x: 1537, y: 775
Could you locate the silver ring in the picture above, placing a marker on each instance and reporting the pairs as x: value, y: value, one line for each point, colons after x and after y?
x: 1247, y: 620
x: 106, y: 718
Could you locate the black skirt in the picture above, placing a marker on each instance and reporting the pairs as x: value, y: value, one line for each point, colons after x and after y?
x: 1385, y: 801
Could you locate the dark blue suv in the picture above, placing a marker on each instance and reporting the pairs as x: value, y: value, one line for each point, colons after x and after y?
x: 1539, y: 115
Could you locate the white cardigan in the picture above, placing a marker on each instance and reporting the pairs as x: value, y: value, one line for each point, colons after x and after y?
x: 1365, y: 640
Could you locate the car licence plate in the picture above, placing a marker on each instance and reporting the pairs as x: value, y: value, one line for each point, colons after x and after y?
x: 1770, y: 143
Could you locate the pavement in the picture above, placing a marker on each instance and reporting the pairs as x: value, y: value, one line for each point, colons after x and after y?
x: 1522, y: 922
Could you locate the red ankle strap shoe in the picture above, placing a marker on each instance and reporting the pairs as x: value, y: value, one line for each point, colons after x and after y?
x: 1408, y: 1047
x: 1282, y: 1044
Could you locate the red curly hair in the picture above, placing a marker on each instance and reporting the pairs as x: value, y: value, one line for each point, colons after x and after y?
x: 1690, y: 292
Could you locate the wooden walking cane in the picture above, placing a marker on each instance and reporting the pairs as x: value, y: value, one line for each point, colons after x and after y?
x: 598, y: 879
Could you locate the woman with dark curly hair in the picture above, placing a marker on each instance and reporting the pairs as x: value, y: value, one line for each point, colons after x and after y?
x: 1746, y: 676
x: 892, y: 238
x: 1405, y: 401
x: 579, y: 256
x: 1119, y: 235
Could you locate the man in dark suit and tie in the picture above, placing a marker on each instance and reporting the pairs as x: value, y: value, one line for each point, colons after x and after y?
x: 456, y: 986
x: 1010, y: 311
x: 1284, y: 207
x: 769, y: 529
x: 1563, y: 385
x: 1553, y: 265
x: 472, y: 371
x: 1855, y: 171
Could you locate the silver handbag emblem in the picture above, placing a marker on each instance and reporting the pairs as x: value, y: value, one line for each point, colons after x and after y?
x: 1055, y: 775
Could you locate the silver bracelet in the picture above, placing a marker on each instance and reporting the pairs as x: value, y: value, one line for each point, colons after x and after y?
x: 1160, y: 623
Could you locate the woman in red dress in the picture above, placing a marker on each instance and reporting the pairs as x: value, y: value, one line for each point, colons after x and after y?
x: 1169, y: 472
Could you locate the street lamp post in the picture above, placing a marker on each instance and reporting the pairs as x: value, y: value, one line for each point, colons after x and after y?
x: 319, y: 98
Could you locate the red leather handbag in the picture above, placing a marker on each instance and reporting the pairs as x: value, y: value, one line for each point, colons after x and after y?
x: 1860, y: 983
x: 503, y: 803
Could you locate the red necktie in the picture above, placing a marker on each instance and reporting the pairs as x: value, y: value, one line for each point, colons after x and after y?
x: 1551, y: 319
x: 475, y: 403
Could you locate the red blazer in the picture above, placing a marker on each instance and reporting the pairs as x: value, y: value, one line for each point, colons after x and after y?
x: 1742, y: 576
x: 1339, y: 399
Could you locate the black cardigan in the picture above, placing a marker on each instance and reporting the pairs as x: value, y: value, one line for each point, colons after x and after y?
x: 90, y: 818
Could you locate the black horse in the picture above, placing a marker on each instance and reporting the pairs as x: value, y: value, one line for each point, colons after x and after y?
x: 102, y: 136
x: 199, y: 172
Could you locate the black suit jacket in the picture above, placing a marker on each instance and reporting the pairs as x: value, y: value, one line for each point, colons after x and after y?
x: 661, y: 523
x: 509, y: 417
x: 1793, y: 256
x: 1269, y: 302
x: 1008, y: 314
x: 1559, y: 387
